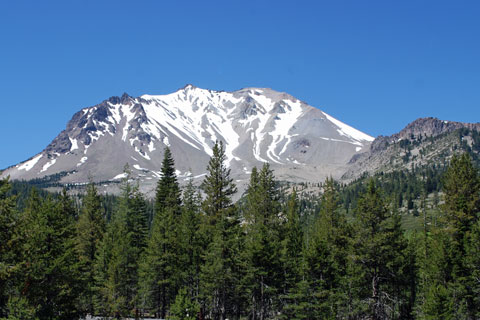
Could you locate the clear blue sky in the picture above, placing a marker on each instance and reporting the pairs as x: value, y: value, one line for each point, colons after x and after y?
x: 376, y: 65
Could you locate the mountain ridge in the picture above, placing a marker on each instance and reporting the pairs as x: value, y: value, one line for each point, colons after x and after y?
x: 424, y: 141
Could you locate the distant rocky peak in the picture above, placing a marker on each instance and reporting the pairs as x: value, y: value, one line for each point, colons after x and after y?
x: 421, y: 128
x: 125, y: 98
x: 432, y: 127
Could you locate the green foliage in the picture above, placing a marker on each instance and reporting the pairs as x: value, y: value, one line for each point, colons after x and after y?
x: 90, y: 228
x: 160, y: 270
x: 47, y: 263
x: 274, y: 255
x: 8, y: 221
x: 262, y: 251
x: 190, y: 239
x: 450, y: 267
x: 184, y: 308
x: 462, y: 193
x: 118, y: 256
x: 378, y: 274
x: 325, y: 257
x: 217, y: 185
x: 220, y: 274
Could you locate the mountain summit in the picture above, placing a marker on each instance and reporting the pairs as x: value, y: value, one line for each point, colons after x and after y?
x: 256, y: 125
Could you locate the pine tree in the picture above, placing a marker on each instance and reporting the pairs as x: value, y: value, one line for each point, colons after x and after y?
x: 292, y: 243
x: 90, y: 228
x: 190, y: 240
x: 49, y: 279
x: 262, y: 243
x: 472, y: 263
x: 120, y: 252
x: 8, y: 228
x: 184, y: 307
x: 167, y: 191
x: 220, y: 274
x: 111, y: 268
x: 379, y: 261
x: 137, y: 231
x: 462, y: 195
x: 322, y: 289
x: 451, y: 290
x: 160, y: 276
x: 218, y: 186
x: 292, y: 248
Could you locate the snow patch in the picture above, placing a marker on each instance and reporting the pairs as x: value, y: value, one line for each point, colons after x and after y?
x: 136, y: 166
x: 82, y: 161
x: 120, y: 176
x: 48, y: 165
x: 30, y: 163
x: 151, y: 147
x: 74, y: 144
x: 346, y: 130
x: 165, y: 141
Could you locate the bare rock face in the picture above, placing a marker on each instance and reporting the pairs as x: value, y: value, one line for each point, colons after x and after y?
x: 256, y: 125
x: 387, y: 153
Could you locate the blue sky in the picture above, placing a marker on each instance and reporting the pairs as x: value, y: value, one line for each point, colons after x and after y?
x: 376, y: 65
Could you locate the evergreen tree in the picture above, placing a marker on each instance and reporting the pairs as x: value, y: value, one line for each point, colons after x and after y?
x: 120, y: 252
x: 262, y: 243
x: 111, y: 269
x: 184, y: 308
x: 472, y: 264
x: 218, y: 186
x: 137, y: 229
x: 49, y: 282
x: 462, y: 195
x: 190, y: 240
x: 159, y: 272
x: 451, y: 290
x: 325, y: 260
x: 221, y: 272
x: 379, y: 282
x: 167, y: 191
x: 90, y: 228
x: 8, y: 228
x: 292, y: 248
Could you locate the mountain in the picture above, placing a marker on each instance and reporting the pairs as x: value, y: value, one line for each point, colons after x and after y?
x: 256, y: 125
x: 422, y: 143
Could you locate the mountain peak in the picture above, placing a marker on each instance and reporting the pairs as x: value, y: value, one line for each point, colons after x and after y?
x: 430, y: 126
x: 189, y: 86
x: 120, y: 100
x: 256, y: 125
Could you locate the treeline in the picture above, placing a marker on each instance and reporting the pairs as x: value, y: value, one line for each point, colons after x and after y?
x: 203, y: 257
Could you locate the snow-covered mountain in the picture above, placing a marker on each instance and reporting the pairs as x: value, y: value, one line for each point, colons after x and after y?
x: 256, y: 125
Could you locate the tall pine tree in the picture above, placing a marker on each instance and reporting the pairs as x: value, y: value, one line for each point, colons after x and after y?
x: 452, y: 288
x: 221, y: 272
x: 160, y: 276
x: 378, y: 277
x: 120, y: 252
x: 262, y: 243
x: 49, y: 281
x: 8, y: 228
x: 90, y: 228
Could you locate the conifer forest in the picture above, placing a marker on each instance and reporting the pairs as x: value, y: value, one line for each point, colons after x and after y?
x: 194, y: 253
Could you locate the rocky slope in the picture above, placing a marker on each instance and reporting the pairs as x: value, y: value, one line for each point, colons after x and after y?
x: 425, y: 141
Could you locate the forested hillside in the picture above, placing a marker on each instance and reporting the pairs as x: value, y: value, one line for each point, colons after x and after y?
x: 276, y: 254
